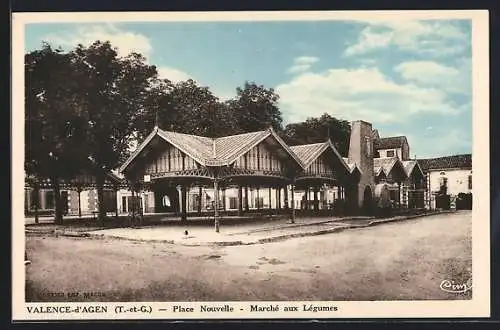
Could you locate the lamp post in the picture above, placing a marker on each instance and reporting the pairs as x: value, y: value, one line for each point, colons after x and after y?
x: 57, y: 202
x: 216, y: 204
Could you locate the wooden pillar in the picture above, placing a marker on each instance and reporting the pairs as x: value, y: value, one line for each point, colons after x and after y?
x: 246, y: 199
x: 133, y: 205
x: 307, y: 199
x: 79, y: 190
x: 285, y: 197
x: 293, y: 203
x: 269, y: 198
x: 316, y: 201
x: 240, y: 200
x: 258, y: 198
x: 200, y: 198
x: 224, y: 199
x: 399, y: 194
x: 216, y: 205
x: 278, y: 198
x: 183, y: 203
x: 37, y: 201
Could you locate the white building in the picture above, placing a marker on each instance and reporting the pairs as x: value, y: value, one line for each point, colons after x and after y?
x: 451, y: 174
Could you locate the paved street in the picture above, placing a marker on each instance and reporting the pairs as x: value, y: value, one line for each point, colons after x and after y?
x: 402, y: 260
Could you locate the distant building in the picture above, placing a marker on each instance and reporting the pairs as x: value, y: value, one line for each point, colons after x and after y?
x: 450, y: 174
x: 181, y: 173
x: 78, y: 196
x: 393, y: 166
x: 394, y: 146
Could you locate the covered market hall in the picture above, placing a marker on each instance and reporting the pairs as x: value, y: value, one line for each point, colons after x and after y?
x: 237, y: 174
x: 253, y: 172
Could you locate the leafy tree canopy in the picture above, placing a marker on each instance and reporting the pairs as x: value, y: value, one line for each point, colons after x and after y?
x: 315, y: 130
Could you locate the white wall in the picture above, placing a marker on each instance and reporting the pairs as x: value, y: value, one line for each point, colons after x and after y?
x: 458, y: 180
x: 383, y: 152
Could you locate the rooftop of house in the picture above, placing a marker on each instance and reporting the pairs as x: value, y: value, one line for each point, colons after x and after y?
x: 390, y: 142
x: 212, y: 151
x: 308, y: 152
x: 447, y: 162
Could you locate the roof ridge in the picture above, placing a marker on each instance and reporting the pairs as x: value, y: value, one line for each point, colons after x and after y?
x: 185, y: 134
x: 309, y: 144
x: 449, y: 156
x: 240, y: 134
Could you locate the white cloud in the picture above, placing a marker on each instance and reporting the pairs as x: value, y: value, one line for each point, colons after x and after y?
x: 430, y: 73
x: 359, y: 93
x: 172, y: 74
x: 306, y: 60
x: 125, y: 41
x: 427, y: 72
x: 435, y: 38
x: 302, y: 64
x: 368, y: 40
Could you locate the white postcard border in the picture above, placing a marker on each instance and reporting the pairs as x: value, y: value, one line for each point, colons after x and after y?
x: 478, y: 306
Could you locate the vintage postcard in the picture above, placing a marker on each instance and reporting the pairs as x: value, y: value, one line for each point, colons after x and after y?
x: 250, y: 165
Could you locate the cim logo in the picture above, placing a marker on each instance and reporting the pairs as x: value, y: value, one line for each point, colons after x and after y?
x: 454, y: 287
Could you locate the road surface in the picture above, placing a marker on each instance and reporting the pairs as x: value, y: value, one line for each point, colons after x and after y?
x: 404, y: 260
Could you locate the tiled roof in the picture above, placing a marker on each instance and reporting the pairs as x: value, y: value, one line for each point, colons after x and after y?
x: 352, y: 166
x: 390, y: 142
x: 197, y: 147
x: 384, y: 164
x: 211, y: 151
x: 307, y: 153
x: 409, y: 165
x: 455, y: 161
x: 228, y: 147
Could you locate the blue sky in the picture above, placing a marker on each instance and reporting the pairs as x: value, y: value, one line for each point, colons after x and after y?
x: 408, y: 78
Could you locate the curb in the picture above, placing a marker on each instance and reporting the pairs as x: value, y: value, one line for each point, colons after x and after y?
x: 257, y: 241
x: 295, y: 225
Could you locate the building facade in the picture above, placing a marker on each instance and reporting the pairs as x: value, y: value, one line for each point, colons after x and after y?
x: 450, y: 175
x: 404, y: 176
x: 257, y: 172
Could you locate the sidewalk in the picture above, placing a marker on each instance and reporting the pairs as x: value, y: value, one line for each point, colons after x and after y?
x: 242, y: 234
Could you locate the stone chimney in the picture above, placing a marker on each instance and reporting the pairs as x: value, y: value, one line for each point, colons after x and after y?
x: 361, y: 153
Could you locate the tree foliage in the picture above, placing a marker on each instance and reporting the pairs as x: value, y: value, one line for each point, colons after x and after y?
x: 55, y: 131
x: 314, y: 130
x: 83, y: 104
x: 114, y: 90
x: 90, y: 103
x: 256, y: 108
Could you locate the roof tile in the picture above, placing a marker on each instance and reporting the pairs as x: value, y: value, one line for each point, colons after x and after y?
x: 308, y: 152
x: 390, y: 142
x: 455, y: 161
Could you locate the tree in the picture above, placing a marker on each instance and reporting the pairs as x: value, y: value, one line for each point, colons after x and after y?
x: 315, y: 130
x: 256, y: 108
x: 113, y: 93
x: 54, y: 129
x: 192, y: 109
x: 157, y: 105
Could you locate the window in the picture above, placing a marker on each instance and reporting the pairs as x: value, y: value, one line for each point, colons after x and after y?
x: 470, y: 181
x: 49, y: 200
x: 259, y: 202
x: 233, y: 203
x: 443, y: 184
x: 109, y: 200
x: 124, y: 204
x: 390, y: 153
x: 368, y: 146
